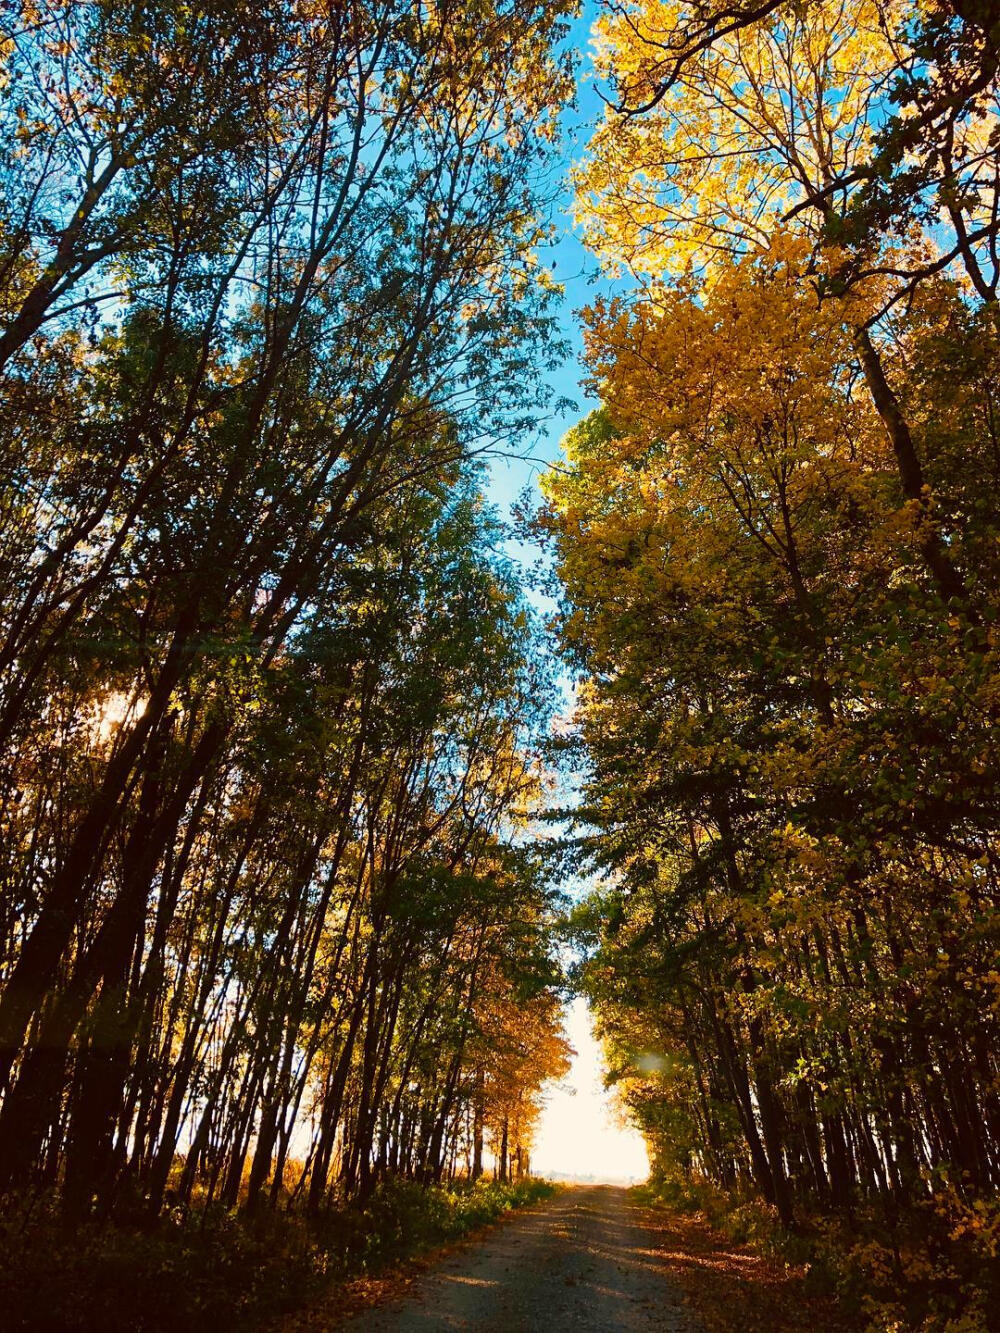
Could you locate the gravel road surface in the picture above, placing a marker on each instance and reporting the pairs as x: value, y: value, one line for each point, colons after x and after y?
x: 584, y: 1260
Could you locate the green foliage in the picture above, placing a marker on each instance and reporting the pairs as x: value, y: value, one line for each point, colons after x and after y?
x: 271, y: 701
x: 403, y: 1218
x: 190, y: 1272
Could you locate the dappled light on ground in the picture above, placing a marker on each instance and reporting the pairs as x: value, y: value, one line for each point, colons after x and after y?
x: 579, y: 1261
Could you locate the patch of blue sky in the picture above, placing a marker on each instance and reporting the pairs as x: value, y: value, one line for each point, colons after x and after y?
x: 579, y: 274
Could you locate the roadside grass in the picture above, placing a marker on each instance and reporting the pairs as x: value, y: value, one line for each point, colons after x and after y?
x: 216, y: 1269
x: 935, y: 1269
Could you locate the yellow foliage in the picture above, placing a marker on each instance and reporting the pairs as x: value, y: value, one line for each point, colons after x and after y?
x: 763, y: 119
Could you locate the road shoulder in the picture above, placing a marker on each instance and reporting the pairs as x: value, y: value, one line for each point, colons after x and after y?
x: 720, y: 1277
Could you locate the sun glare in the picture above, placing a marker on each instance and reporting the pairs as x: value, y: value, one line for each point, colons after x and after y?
x: 581, y: 1136
x: 108, y: 713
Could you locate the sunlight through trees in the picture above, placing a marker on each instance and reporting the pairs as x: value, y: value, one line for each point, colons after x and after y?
x: 285, y: 930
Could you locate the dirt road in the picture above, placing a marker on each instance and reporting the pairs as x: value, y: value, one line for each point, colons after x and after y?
x: 584, y: 1261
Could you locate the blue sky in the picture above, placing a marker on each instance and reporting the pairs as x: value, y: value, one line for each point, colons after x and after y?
x: 579, y: 273
x: 581, y: 1132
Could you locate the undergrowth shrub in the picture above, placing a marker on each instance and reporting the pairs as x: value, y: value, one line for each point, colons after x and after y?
x: 217, y: 1269
x: 932, y: 1269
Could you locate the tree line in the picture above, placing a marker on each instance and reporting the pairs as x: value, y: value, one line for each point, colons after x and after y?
x: 778, y: 545
x: 269, y: 705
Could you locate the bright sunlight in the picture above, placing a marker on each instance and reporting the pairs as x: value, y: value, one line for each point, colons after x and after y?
x: 581, y: 1135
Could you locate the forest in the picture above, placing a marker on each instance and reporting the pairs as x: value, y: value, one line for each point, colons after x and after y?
x: 315, y: 807
x: 271, y: 707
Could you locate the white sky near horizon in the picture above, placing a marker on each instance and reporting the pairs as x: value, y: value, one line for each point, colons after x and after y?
x: 581, y: 1132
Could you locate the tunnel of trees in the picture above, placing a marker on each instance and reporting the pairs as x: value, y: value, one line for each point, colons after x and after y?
x: 277, y: 924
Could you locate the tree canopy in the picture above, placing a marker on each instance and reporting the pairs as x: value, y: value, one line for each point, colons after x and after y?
x: 777, y: 539
x: 269, y: 706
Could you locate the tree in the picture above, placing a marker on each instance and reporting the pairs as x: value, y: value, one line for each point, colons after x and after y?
x: 743, y: 120
x: 268, y: 287
x: 773, y: 697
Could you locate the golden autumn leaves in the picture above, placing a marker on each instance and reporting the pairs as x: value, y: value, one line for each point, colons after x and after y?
x: 778, y: 545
